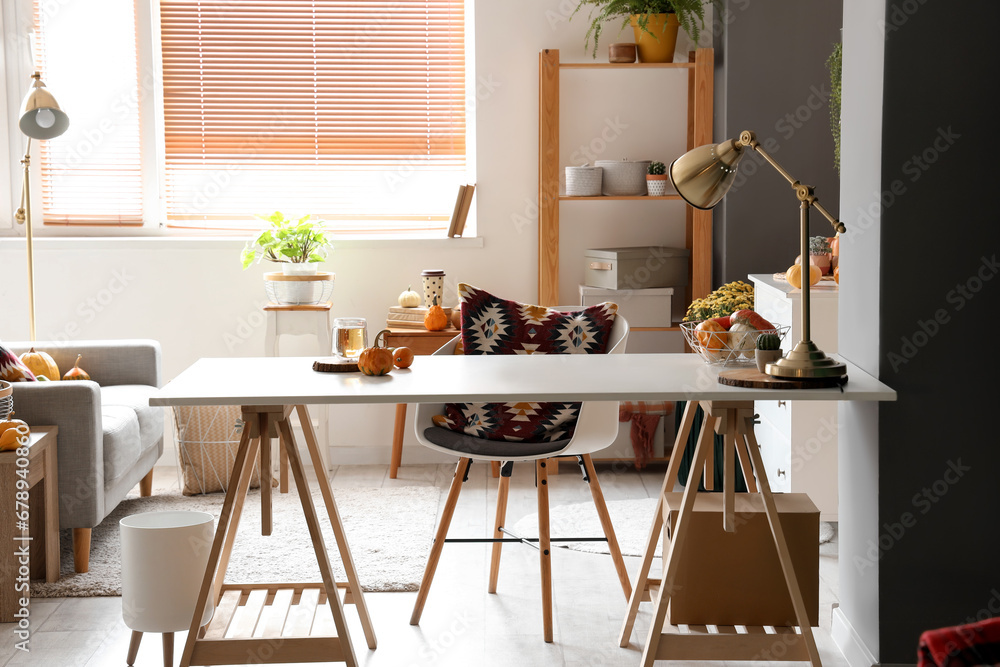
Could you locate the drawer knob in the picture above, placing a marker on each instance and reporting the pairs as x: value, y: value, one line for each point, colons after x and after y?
x: 781, y: 473
x: 781, y: 404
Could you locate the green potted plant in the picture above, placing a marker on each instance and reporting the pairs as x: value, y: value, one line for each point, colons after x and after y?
x: 298, y: 245
x: 820, y: 253
x: 654, y: 23
x: 656, y: 179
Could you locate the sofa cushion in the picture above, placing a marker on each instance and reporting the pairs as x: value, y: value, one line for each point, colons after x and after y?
x: 12, y: 369
x: 121, y: 441
x: 136, y: 397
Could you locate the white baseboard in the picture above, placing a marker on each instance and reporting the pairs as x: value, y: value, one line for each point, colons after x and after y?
x: 849, y: 641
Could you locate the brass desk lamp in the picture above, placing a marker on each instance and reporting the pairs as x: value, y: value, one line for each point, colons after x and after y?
x: 40, y: 118
x: 702, y: 177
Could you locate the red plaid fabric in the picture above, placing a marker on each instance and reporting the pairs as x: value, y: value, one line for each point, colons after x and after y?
x: 960, y: 645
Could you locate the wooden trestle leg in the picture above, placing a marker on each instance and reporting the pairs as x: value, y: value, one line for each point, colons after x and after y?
x: 218, y: 644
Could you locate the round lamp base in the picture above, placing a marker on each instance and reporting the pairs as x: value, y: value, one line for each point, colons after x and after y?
x: 806, y: 361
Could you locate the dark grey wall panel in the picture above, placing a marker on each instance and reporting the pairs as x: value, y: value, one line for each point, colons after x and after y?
x: 771, y: 63
x: 939, y: 458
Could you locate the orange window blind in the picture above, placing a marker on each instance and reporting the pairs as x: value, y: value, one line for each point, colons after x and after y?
x: 92, y: 174
x: 353, y: 111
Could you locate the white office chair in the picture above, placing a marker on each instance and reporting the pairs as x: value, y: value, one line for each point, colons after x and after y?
x: 596, y: 428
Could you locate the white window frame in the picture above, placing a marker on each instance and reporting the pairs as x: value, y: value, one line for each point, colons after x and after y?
x: 16, y: 67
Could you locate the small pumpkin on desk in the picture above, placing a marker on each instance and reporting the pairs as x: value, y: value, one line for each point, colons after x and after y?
x: 376, y: 360
x: 402, y: 357
x: 435, y: 319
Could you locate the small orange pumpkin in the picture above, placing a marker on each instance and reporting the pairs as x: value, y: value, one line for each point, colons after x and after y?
x: 76, y: 373
x: 376, y: 360
x: 435, y: 319
x: 836, y: 275
x: 402, y: 357
x: 794, y: 275
x: 13, y: 433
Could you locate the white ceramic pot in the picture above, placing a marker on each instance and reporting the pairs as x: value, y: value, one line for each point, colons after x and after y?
x: 299, y: 268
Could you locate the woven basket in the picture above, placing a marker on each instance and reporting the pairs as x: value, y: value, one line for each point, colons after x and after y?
x: 584, y: 181
x: 624, y: 177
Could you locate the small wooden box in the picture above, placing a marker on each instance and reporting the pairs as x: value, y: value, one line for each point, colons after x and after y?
x: 736, y: 578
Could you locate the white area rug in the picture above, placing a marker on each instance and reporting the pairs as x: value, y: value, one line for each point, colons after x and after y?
x: 631, y: 519
x: 389, y: 531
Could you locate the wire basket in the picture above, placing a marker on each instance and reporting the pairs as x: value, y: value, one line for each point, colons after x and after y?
x: 726, y: 348
x: 6, y: 400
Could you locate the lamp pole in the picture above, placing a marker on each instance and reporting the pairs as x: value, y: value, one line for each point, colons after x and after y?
x: 23, y: 216
x: 805, y: 360
x: 40, y: 118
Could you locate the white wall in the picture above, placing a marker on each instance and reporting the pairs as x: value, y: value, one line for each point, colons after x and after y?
x: 861, y: 178
x: 192, y: 296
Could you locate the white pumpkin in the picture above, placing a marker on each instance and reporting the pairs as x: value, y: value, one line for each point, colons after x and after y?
x: 409, y: 298
x: 743, y: 339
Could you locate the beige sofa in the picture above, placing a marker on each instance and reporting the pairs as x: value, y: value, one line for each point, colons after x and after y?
x: 109, y: 437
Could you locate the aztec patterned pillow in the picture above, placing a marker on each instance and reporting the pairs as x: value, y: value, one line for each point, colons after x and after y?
x: 13, y: 369
x: 491, y: 325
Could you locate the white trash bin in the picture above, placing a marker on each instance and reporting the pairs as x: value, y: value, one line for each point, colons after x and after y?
x: 164, y: 556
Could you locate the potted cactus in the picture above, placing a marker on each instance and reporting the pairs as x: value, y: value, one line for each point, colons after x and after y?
x: 656, y: 179
x: 768, y: 350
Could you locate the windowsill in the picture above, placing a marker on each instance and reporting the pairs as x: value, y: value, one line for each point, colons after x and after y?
x: 89, y: 243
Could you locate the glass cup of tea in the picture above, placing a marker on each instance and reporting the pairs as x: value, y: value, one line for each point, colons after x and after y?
x: 350, y: 337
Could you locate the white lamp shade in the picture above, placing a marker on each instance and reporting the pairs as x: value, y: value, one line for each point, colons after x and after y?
x: 164, y: 556
x: 40, y: 116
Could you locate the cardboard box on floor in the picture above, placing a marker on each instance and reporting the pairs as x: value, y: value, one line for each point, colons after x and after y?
x: 736, y: 578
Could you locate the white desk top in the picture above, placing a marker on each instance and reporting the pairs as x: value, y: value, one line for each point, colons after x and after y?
x: 439, y: 379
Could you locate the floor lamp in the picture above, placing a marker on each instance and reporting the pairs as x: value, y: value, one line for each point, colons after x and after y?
x: 40, y: 118
x: 702, y: 177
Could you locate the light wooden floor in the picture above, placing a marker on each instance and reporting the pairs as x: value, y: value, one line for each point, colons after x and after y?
x: 462, y: 624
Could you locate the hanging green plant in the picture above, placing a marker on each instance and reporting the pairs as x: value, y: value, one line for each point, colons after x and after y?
x: 835, y: 64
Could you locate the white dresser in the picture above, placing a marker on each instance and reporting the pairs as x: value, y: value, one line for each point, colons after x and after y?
x: 798, y: 441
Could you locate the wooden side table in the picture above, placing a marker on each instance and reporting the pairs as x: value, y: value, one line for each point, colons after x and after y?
x: 301, y: 320
x: 39, y: 531
x: 420, y: 341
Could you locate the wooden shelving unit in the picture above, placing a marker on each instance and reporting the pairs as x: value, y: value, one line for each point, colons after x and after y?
x: 698, y: 224
x: 698, y: 233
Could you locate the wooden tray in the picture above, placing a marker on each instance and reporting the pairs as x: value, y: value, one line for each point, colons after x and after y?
x: 335, y: 365
x: 754, y: 379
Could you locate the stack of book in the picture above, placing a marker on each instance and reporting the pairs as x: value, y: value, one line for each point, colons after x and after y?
x: 409, y: 318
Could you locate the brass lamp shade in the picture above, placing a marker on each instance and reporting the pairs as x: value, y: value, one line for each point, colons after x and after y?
x: 703, y: 176
x: 40, y: 116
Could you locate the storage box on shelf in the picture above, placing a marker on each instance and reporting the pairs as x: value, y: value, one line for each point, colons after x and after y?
x: 636, y: 268
x: 798, y: 440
